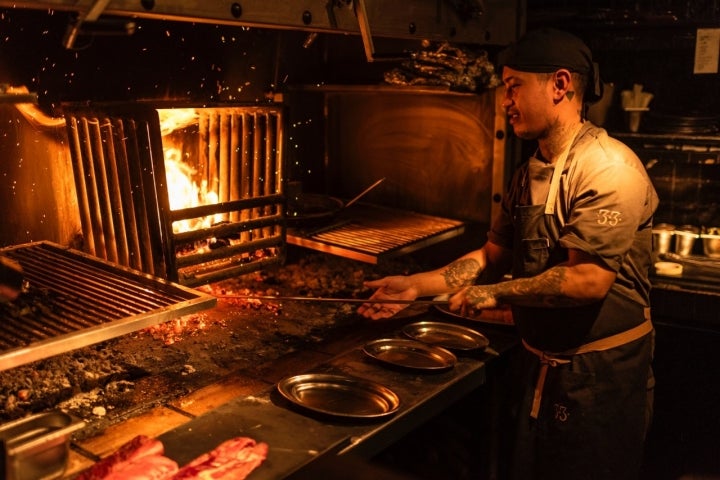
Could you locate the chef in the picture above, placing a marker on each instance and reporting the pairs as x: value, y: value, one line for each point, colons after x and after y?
x: 575, y: 234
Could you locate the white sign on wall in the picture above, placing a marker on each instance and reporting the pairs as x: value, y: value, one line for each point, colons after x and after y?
x: 707, y: 49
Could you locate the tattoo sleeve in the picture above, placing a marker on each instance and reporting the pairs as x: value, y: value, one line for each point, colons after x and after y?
x: 544, y: 290
x: 461, y: 272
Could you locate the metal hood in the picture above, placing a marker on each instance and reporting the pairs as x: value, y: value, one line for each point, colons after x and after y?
x: 479, y: 22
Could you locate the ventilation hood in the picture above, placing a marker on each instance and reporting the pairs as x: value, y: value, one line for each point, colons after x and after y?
x: 479, y: 22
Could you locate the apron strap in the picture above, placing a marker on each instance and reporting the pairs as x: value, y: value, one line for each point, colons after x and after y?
x: 555, y: 182
x: 550, y: 359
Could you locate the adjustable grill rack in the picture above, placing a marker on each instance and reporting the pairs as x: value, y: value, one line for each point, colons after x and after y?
x: 124, y: 199
x: 370, y: 233
x: 74, y: 300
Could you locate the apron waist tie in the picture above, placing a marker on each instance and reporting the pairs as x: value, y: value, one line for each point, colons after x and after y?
x: 552, y: 359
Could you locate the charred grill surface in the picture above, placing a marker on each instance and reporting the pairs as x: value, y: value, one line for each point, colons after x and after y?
x: 110, y: 381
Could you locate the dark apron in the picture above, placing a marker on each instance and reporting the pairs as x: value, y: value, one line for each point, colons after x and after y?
x: 597, y: 399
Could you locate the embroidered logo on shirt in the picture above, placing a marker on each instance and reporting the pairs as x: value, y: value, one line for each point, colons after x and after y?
x: 608, y: 217
x: 561, y: 413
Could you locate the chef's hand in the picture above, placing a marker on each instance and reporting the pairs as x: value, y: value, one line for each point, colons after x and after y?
x: 388, y: 288
x: 477, y: 297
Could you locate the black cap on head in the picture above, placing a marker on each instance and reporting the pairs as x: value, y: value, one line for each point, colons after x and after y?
x: 547, y: 50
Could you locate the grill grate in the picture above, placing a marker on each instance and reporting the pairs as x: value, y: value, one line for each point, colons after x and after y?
x: 75, y: 300
x: 368, y: 233
x: 121, y: 173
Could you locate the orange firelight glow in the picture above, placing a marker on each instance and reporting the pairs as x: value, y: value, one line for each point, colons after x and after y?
x: 184, y: 190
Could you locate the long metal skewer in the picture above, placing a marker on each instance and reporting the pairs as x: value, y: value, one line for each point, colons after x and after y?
x: 280, y: 298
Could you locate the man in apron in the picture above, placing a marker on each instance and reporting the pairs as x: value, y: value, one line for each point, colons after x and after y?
x: 575, y: 234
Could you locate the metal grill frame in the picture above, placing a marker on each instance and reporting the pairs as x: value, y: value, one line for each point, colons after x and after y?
x: 85, y: 301
x: 120, y: 177
x: 371, y: 233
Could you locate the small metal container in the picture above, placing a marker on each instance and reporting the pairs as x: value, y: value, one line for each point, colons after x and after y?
x: 663, y: 237
x: 37, y: 447
x: 711, y: 242
x: 685, y: 237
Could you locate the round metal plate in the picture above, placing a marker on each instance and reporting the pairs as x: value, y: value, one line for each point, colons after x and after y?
x: 339, y: 396
x: 455, y: 338
x: 412, y: 354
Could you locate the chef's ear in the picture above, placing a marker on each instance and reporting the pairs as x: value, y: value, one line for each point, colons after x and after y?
x: 562, y: 80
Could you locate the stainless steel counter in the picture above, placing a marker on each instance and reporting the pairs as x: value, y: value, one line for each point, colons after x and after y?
x: 299, y: 441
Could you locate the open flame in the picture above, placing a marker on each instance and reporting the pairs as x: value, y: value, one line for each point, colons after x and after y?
x: 183, y: 188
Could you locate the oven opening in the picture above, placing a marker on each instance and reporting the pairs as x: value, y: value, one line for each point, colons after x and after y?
x: 190, y: 194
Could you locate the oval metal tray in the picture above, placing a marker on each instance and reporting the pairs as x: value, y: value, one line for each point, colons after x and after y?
x: 455, y: 338
x: 412, y: 354
x: 339, y: 396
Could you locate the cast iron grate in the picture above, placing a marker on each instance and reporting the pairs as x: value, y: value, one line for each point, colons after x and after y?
x: 74, y: 300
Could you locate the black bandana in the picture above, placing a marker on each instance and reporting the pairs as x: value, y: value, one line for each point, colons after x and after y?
x: 547, y: 50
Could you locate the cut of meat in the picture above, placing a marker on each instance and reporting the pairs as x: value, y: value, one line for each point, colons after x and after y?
x: 137, y: 448
x: 233, y: 459
x: 151, y: 467
x: 142, y: 458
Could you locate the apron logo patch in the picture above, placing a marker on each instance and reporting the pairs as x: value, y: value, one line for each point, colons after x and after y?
x: 561, y: 413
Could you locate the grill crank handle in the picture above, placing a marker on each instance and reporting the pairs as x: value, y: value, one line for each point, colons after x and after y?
x: 363, y: 193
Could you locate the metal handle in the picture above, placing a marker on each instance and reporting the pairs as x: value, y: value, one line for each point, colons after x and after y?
x: 363, y: 193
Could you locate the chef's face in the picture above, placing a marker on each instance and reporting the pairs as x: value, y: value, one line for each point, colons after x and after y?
x: 528, y: 103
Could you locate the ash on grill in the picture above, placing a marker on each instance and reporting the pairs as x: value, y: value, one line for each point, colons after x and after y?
x: 106, y: 382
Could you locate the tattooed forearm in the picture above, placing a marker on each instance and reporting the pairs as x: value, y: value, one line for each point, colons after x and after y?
x: 461, y: 272
x: 544, y: 290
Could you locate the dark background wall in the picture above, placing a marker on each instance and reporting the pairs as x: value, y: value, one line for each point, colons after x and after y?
x: 650, y: 42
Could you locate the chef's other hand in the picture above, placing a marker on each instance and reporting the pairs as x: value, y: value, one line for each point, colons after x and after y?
x: 388, y: 288
x: 11, y: 279
x: 477, y: 297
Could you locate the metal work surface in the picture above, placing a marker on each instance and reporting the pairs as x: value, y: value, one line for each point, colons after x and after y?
x: 73, y: 300
x: 272, y: 419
